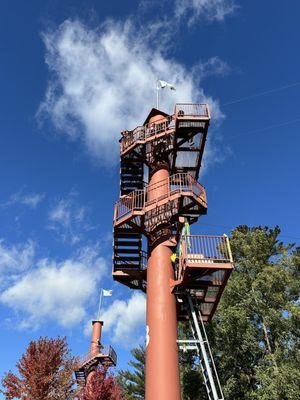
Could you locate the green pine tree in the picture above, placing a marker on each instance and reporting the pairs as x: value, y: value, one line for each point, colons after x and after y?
x: 133, y: 382
x: 255, y: 332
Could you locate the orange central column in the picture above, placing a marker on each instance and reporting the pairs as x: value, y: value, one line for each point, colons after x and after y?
x: 162, y: 368
x: 96, y: 336
x: 95, y: 343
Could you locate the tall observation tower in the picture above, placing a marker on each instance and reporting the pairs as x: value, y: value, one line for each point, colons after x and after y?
x: 183, y: 275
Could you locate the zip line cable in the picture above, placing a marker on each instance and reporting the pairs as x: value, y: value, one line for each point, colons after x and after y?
x: 253, y: 96
x: 230, y: 227
x: 255, y: 131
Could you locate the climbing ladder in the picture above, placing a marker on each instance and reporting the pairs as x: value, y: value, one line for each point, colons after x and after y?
x: 200, y: 343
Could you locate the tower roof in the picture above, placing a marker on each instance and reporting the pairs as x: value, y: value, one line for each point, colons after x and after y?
x: 154, y: 112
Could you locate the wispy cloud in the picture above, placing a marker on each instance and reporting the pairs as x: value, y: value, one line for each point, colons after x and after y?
x: 57, y: 291
x: 15, y: 258
x: 22, y: 197
x: 211, y: 10
x: 103, y: 80
x: 68, y: 220
x: 214, y: 66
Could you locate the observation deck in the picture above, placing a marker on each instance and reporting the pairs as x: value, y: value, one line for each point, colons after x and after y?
x: 204, y: 266
x: 183, y: 133
x: 183, y: 187
x: 104, y: 355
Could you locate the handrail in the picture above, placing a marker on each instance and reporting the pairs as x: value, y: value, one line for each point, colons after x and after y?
x: 104, y: 350
x: 146, y: 131
x: 207, y: 248
x: 191, y: 110
x: 151, y: 129
x: 138, y: 199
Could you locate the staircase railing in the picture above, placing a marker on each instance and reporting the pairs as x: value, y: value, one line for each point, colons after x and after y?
x: 150, y: 130
x: 141, y: 133
x: 177, y: 183
x: 104, y: 350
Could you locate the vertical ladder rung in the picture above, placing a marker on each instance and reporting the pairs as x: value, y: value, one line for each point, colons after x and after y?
x: 208, y: 369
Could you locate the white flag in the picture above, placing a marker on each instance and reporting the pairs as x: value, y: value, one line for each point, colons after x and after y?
x: 164, y: 84
x: 107, y: 293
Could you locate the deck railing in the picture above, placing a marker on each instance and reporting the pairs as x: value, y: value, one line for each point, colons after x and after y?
x: 104, y: 350
x: 177, y: 183
x: 138, y: 199
x: 113, y: 355
x: 149, y: 130
x: 132, y: 201
x: 141, y: 133
x: 191, y: 110
x: 207, y: 249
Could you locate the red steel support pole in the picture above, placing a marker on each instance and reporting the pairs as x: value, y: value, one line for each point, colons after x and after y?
x: 162, y: 367
x: 96, y: 336
x: 95, y: 342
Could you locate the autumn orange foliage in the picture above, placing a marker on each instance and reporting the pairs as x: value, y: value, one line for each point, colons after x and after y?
x: 102, y: 386
x: 44, y: 372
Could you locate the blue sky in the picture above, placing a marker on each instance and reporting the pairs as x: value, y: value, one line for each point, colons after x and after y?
x: 72, y: 77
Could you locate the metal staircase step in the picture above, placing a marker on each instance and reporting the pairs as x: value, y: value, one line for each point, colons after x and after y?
x: 127, y: 251
x: 131, y: 176
x: 127, y: 243
x: 126, y: 233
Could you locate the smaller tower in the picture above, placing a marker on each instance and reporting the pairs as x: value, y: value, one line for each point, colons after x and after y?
x: 98, y: 354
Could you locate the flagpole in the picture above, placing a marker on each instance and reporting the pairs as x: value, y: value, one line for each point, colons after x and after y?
x: 100, y: 304
x: 157, y: 95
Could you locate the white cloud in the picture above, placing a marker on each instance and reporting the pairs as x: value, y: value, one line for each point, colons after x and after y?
x: 212, y: 10
x: 68, y: 220
x: 213, y: 66
x: 103, y: 81
x: 15, y: 258
x: 59, y: 291
x: 28, y: 199
x: 125, y: 320
x: 32, y: 200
